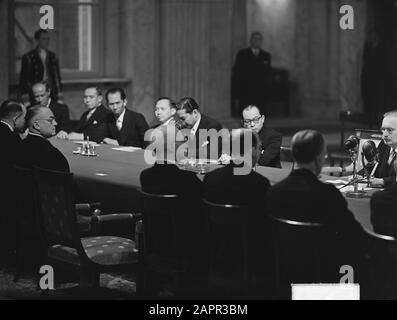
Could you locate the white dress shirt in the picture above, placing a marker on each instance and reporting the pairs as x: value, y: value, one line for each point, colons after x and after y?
x: 195, y: 127
x: 119, y: 122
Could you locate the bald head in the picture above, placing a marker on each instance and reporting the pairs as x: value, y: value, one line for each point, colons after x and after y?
x: 41, y: 120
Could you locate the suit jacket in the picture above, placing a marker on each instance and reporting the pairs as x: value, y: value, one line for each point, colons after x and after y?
x: 132, y: 132
x: 225, y: 187
x: 302, y: 197
x: 203, y: 142
x: 9, y: 144
x: 271, y: 143
x: 32, y: 71
x: 38, y: 151
x: 385, y: 170
x: 250, y: 75
x: 61, y: 114
x: 384, y: 210
x: 96, y: 126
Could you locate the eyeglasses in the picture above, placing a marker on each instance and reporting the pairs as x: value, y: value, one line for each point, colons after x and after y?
x: 50, y: 120
x: 254, y: 121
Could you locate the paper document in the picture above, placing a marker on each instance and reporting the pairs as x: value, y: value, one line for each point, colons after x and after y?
x: 127, y: 149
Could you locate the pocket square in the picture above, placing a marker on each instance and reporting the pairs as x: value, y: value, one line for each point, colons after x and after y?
x: 95, y: 122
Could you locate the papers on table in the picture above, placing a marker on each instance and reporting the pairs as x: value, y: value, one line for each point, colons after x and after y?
x: 127, y: 149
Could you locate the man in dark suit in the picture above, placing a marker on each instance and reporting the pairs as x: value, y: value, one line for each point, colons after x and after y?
x: 303, y: 197
x: 92, y: 122
x: 250, y: 76
x: 124, y: 127
x: 40, y: 65
x: 237, y: 183
x: 35, y: 149
x: 385, y: 173
x: 384, y: 209
x: 197, y: 130
x: 271, y: 139
x: 42, y: 94
x: 12, y: 122
x: 164, y: 177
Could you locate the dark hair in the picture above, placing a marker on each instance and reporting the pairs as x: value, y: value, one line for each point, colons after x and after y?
x: 39, y: 32
x: 307, y: 145
x: 171, y: 102
x: 115, y: 90
x: 32, y: 112
x: 98, y: 90
x: 188, y: 104
x: 9, y: 108
x: 256, y: 33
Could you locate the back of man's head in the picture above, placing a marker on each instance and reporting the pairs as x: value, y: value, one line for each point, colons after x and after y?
x: 32, y: 114
x: 307, y: 145
x: 246, y: 146
x: 10, y: 108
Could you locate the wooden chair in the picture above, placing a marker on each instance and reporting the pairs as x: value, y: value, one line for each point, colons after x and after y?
x: 62, y: 244
x: 382, y: 260
x: 301, y: 255
x: 239, y: 254
x: 164, y: 239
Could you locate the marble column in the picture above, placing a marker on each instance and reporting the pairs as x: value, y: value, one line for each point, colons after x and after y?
x: 4, y: 39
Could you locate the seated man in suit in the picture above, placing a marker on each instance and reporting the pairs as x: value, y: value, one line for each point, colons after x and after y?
x: 42, y: 94
x: 35, y: 149
x: 271, y: 139
x: 384, y: 209
x: 197, y: 128
x: 92, y: 123
x: 229, y: 185
x: 164, y: 177
x: 124, y: 127
x: 12, y: 122
x: 165, y: 111
x: 303, y: 197
x: 385, y: 173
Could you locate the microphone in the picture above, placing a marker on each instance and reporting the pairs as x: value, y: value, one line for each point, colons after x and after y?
x: 351, y: 143
x: 370, y: 151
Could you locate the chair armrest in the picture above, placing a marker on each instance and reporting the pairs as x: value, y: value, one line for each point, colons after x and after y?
x: 115, y: 217
x: 88, y: 209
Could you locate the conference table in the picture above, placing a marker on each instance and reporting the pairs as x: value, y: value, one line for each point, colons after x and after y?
x: 112, y: 178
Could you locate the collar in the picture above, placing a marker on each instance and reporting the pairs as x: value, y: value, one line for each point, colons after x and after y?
x: 196, y: 125
x: 48, y: 103
x: 167, y: 122
x: 8, y: 125
x: 35, y: 134
x: 121, y: 117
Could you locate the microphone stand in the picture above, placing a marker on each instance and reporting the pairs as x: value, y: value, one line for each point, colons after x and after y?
x: 355, y: 193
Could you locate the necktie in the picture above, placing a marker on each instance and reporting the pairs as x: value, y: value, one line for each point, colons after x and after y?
x: 119, y: 124
x: 392, y: 156
x: 89, y: 115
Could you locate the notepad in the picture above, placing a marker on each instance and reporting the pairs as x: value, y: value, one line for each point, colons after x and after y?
x: 127, y: 149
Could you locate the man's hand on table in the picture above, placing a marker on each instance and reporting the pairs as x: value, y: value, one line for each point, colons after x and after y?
x: 224, y: 159
x: 75, y: 136
x: 110, y: 141
x: 62, y: 135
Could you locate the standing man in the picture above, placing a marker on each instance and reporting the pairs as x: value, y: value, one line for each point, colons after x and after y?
x: 42, y: 95
x: 92, y: 122
x: 40, y: 65
x: 124, y: 127
x: 271, y: 139
x: 250, y: 76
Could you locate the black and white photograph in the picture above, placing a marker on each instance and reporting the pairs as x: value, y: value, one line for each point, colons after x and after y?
x: 204, y: 153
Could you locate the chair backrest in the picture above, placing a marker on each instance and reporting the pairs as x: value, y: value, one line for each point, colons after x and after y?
x: 26, y: 187
x: 57, y: 216
x: 302, y: 253
x: 161, y: 224
x: 237, y: 242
